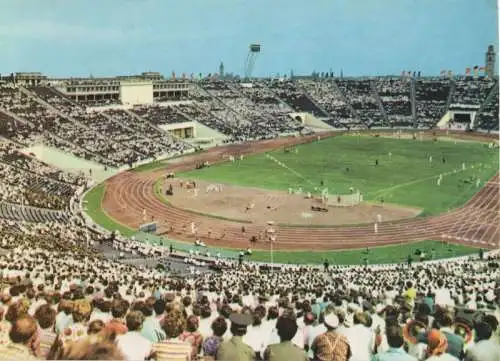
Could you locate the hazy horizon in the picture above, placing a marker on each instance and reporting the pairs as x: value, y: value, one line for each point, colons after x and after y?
x: 122, y: 37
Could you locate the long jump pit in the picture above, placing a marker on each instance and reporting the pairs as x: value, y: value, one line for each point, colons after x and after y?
x: 256, y: 205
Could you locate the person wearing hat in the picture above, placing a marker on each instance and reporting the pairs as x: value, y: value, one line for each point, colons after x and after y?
x: 235, y: 348
x: 378, y: 320
x: 285, y: 350
x: 331, y: 345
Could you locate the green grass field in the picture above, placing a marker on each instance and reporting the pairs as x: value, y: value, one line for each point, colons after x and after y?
x: 379, y: 255
x: 406, y: 178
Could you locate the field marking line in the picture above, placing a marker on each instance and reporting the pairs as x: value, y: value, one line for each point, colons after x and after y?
x: 401, y: 185
x: 283, y: 165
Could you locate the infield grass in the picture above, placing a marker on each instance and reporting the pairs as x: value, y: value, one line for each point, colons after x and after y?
x: 406, y: 177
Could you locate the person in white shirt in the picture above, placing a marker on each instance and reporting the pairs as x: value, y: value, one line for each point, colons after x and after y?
x: 442, y: 295
x: 390, y: 294
x: 205, y: 326
x: 133, y: 345
x: 256, y: 335
x: 485, y: 349
x: 378, y: 319
x: 360, y: 338
x: 317, y: 330
x: 308, y: 327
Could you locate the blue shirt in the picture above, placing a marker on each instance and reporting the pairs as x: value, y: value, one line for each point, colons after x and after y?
x: 151, y: 329
x: 394, y: 354
x: 63, y: 321
x: 430, y: 302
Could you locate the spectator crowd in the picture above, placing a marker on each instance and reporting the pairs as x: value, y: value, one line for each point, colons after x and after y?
x: 85, y: 306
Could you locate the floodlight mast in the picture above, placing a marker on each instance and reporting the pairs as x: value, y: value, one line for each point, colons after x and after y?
x: 253, y: 52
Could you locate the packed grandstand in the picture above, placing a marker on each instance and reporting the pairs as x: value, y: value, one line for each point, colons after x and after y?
x: 71, y: 290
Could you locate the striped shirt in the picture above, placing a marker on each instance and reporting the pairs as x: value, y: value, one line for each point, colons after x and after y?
x: 172, y: 350
x: 15, y: 352
x: 47, y: 339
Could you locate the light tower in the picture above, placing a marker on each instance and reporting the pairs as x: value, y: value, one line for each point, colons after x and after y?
x: 490, y: 62
x: 253, y: 52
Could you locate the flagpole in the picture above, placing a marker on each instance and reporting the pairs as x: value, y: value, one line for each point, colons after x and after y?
x: 272, y: 256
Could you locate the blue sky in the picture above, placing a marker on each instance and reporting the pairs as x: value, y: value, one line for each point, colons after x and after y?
x: 364, y: 37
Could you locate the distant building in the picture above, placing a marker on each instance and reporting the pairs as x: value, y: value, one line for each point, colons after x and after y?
x: 29, y: 78
x: 221, y: 70
x: 122, y: 88
x: 490, y: 61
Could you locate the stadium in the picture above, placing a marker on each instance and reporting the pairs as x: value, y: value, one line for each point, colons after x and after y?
x: 214, y: 216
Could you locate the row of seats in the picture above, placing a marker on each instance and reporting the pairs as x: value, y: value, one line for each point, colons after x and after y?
x: 363, y: 100
x: 470, y: 91
x: 430, y: 98
x: 28, y: 214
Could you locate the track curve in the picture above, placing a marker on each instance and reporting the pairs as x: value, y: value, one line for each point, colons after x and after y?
x: 128, y: 194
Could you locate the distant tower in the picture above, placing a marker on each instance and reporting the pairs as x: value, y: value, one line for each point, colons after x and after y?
x: 490, y: 61
x: 221, y: 70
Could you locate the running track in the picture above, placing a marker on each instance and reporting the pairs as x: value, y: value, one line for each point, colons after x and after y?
x: 128, y: 194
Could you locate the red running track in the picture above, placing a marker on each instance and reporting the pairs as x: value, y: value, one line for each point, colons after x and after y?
x: 128, y: 194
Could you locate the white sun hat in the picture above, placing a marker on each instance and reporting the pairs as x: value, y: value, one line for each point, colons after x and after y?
x: 331, y: 320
